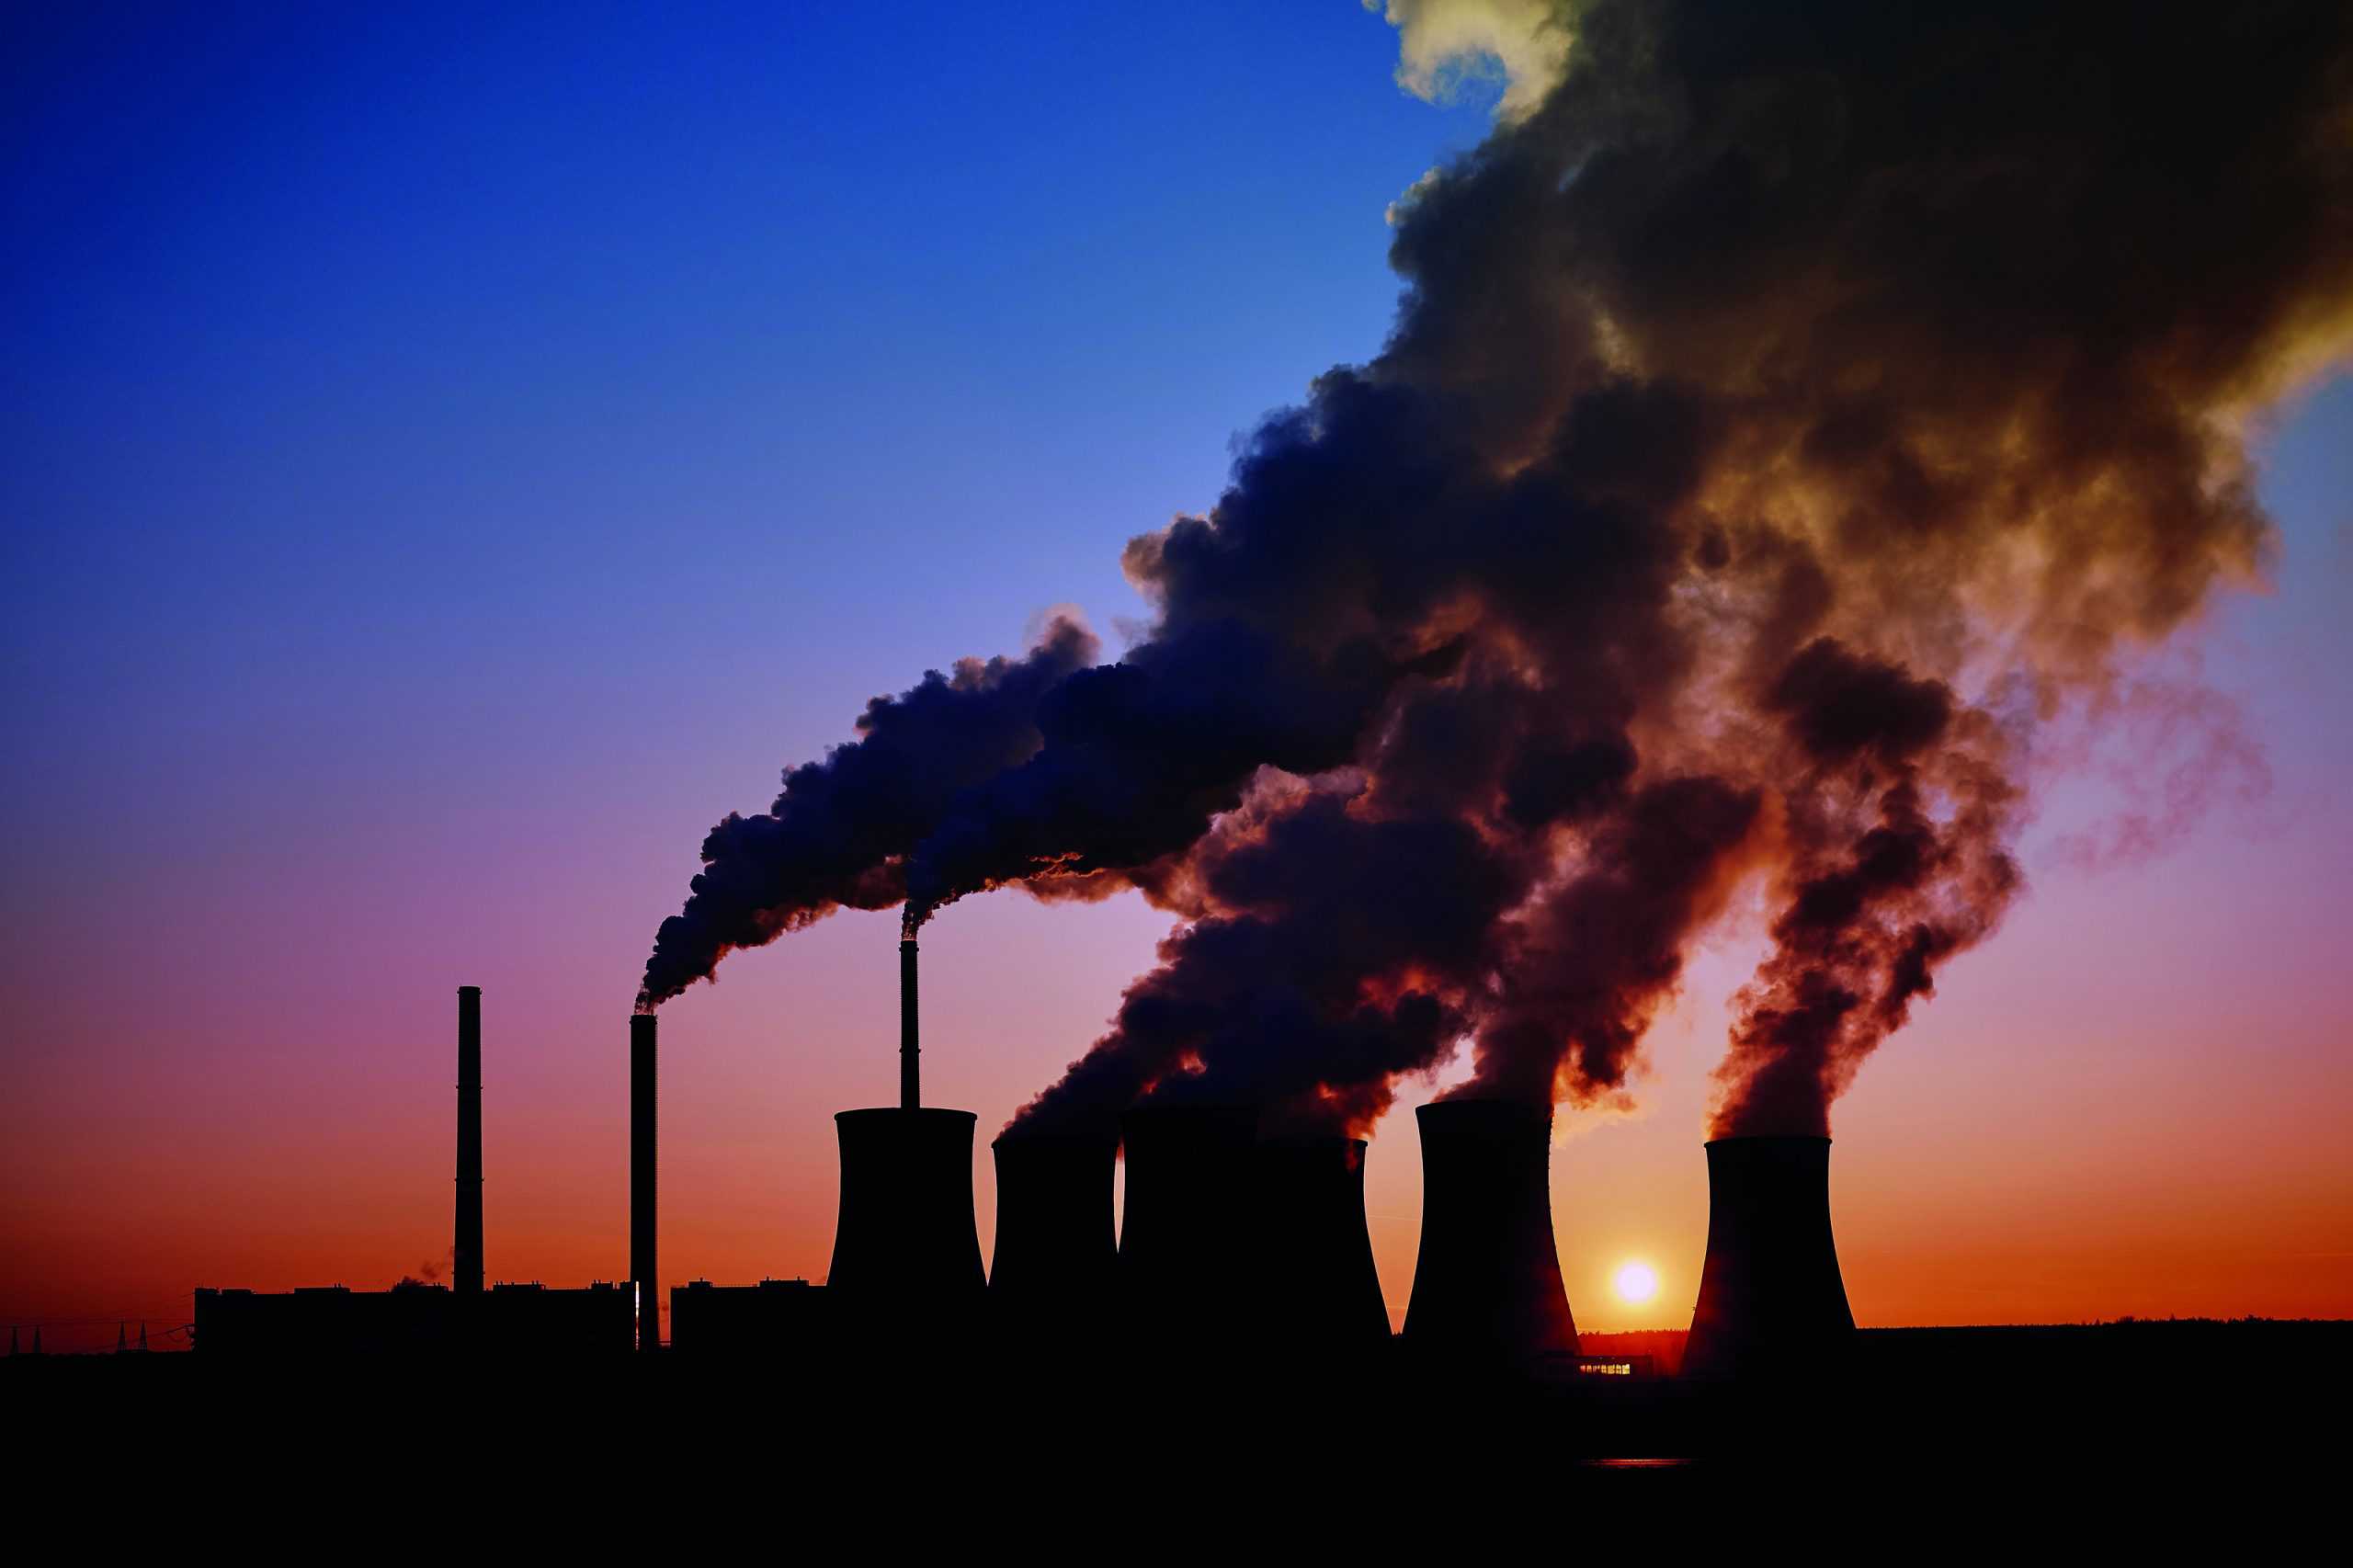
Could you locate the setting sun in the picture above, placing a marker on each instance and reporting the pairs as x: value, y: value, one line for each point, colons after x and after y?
x: 1635, y: 1282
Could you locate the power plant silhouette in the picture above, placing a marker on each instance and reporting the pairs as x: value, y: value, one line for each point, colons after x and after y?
x: 1056, y: 1265
x: 1239, y: 1246
x: 1771, y: 1301
x: 1488, y: 1280
x: 417, y: 1318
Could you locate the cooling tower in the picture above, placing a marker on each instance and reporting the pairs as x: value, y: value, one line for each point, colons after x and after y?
x: 1487, y: 1282
x: 465, y: 1250
x: 1318, y: 1294
x: 1771, y: 1301
x: 906, y: 1249
x: 1056, y: 1259
x: 1185, y: 1248
x: 643, y: 1266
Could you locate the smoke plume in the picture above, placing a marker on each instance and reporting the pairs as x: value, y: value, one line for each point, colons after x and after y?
x: 837, y: 835
x: 1786, y: 416
x: 1441, y: 41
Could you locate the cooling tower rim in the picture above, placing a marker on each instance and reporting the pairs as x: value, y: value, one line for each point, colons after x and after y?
x: 1205, y: 1114
x: 1312, y: 1143
x: 903, y: 1113
x: 1471, y: 1109
x: 1759, y: 1140
x: 1054, y: 1137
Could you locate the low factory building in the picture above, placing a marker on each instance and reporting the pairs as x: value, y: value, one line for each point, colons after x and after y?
x: 775, y: 1317
x: 410, y: 1320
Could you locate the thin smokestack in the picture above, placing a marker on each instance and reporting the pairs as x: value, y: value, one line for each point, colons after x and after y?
x: 642, y: 1267
x: 910, y: 1045
x: 1772, y: 1303
x: 465, y: 1251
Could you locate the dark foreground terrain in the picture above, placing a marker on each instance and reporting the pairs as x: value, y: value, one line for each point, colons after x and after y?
x: 916, y: 1442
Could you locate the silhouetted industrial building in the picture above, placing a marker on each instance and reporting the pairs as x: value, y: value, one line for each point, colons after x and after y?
x: 907, y: 1261
x: 418, y: 1319
x: 1316, y: 1289
x: 1487, y: 1284
x: 1233, y: 1250
x: 910, y: 1032
x: 904, y: 1241
x: 1056, y: 1260
x: 327, y: 1322
x: 1772, y: 1302
x: 643, y: 1210
x: 465, y: 1251
x: 1186, y: 1242
x: 773, y: 1318
x: 531, y: 1319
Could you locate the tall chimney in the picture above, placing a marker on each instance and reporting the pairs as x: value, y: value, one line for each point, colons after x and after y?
x: 1056, y: 1258
x: 465, y: 1250
x: 1318, y: 1290
x: 1772, y: 1302
x: 1185, y: 1250
x: 910, y: 1049
x: 1487, y: 1282
x: 642, y: 1267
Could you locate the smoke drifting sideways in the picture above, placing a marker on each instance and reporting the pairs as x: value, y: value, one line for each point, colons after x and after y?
x: 1786, y: 418
x: 837, y: 835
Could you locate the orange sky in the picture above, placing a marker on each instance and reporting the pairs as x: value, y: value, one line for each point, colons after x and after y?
x: 2056, y: 1138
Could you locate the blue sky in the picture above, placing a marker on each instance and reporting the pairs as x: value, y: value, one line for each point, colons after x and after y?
x: 430, y: 307
x: 358, y: 359
x: 716, y: 370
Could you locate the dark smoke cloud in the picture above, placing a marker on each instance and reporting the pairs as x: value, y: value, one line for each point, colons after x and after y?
x: 839, y: 835
x: 1139, y: 757
x: 1592, y: 960
x: 1874, y: 891
x: 1785, y: 417
x: 1304, y: 983
x: 1324, y: 589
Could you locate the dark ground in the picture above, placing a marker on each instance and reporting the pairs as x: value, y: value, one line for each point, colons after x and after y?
x: 2157, y: 1441
x: 1915, y: 1407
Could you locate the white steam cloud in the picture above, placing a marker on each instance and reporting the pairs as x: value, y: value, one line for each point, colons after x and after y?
x: 1442, y: 43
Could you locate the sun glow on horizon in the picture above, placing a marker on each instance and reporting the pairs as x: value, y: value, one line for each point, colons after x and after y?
x: 1635, y: 1282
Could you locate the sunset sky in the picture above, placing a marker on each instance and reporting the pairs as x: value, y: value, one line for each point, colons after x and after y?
x: 448, y: 462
